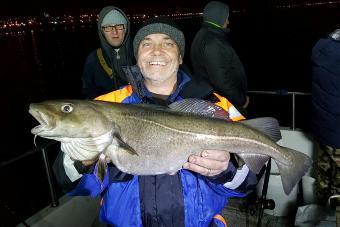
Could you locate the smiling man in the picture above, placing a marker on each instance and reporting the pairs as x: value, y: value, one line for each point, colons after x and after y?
x: 158, y: 60
x: 195, y: 195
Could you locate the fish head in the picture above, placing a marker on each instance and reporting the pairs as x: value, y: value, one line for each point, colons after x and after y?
x: 69, y: 119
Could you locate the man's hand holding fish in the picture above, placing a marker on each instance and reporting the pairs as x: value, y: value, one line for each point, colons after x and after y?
x: 208, y: 163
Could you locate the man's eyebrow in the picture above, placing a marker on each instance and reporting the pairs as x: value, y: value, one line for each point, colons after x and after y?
x: 146, y: 38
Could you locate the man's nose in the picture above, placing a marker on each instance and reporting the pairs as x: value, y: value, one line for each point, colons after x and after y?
x: 157, y: 49
x: 114, y: 31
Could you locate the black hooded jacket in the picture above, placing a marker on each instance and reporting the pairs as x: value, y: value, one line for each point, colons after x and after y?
x: 96, y: 81
x: 214, y: 60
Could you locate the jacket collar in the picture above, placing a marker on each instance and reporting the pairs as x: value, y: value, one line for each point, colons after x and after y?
x: 215, y: 28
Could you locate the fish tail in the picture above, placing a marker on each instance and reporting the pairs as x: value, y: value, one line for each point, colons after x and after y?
x: 255, y: 162
x: 101, y: 167
x: 292, y: 174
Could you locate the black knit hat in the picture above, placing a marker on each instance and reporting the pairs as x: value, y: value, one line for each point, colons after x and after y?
x: 216, y: 12
x: 162, y: 25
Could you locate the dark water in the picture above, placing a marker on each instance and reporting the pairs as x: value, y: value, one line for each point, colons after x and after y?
x: 275, y: 48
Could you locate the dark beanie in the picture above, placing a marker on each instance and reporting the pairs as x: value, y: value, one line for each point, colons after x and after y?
x: 216, y: 12
x: 162, y: 25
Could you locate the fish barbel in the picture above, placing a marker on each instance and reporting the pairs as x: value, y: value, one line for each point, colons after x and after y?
x: 143, y: 139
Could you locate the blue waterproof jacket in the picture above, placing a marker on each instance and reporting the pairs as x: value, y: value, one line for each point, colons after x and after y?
x: 203, y: 199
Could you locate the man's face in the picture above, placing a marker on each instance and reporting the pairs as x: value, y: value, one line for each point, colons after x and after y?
x: 159, y: 58
x: 114, y: 34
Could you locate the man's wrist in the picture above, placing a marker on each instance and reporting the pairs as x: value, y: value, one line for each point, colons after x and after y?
x: 226, y: 176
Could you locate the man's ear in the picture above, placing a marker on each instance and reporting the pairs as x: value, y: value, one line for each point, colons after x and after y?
x: 180, y: 59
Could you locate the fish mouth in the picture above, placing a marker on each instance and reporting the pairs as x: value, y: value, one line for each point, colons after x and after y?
x: 44, y: 121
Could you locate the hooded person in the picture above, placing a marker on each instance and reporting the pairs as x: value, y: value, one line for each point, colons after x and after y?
x: 214, y: 60
x: 103, y: 67
x: 103, y: 72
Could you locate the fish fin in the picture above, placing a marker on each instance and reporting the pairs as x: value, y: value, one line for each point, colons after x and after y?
x: 255, y: 162
x: 101, y: 166
x: 124, y: 145
x: 267, y: 125
x: 200, y: 107
x: 292, y: 174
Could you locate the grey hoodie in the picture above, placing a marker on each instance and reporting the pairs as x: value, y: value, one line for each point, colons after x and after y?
x: 125, y: 50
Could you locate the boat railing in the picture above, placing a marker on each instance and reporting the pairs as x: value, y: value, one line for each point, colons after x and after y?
x: 293, y: 95
x: 43, y: 149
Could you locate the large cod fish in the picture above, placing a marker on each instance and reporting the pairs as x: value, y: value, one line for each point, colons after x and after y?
x: 144, y: 139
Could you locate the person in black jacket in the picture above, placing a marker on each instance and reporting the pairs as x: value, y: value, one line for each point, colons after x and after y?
x: 213, y: 59
x: 326, y: 115
x: 103, y: 67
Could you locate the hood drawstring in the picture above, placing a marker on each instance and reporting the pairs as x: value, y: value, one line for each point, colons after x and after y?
x: 117, y: 54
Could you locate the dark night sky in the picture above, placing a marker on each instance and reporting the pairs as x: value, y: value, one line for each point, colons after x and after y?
x: 35, y: 7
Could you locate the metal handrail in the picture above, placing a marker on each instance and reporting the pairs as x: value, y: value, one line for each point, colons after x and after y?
x: 284, y: 93
x: 27, y: 153
x: 42, y: 148
x: 54, y: 199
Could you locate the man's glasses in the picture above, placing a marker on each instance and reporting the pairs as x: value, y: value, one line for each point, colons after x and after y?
x: 109, y: 28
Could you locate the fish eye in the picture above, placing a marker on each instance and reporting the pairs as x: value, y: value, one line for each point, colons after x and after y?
x: 67, y: 108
